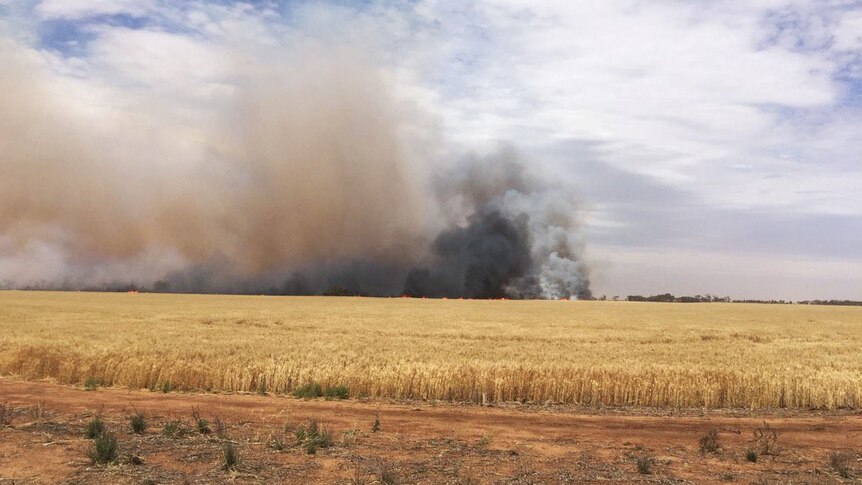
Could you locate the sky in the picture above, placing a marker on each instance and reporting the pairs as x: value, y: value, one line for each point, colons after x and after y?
x: 714, y: 146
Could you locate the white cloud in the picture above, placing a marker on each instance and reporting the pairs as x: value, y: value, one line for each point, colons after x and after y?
x: 678, y: 92
x: 848, y: 33
x: 74, y: 9
x: 170, y: 62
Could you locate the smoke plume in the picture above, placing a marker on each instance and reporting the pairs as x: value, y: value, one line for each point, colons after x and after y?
x: 519, y: 238
x: 295, y: 177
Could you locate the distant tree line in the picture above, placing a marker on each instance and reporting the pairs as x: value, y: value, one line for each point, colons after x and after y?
x: 296, y: 285
x: 668, y: 298
x: 765, y: 302
x: 832, y: 302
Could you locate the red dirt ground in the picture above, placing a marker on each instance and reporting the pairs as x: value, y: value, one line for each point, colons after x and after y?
x: 43, y: 441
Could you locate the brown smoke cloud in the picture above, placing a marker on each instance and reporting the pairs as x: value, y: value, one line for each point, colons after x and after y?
x: 321, y: 157
x: 54, y: 185
x: 302, y: 166
x: 295, y: 177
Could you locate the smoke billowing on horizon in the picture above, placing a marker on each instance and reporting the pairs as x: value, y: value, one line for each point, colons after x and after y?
x: 298, y: 171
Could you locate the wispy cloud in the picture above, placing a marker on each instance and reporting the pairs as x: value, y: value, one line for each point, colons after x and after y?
x: 77, y: 9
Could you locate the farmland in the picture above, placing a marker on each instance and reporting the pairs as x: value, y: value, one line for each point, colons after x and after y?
x: 415, y: 443
x: 574, y: 353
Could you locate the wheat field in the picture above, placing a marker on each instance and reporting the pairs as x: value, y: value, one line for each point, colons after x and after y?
x: 583, y: 353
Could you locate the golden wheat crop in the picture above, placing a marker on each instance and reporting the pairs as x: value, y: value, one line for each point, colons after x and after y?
x: 587, y: 353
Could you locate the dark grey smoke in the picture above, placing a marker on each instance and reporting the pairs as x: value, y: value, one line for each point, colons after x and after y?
x: 352, y: 277
x: 480, y: 260
x: 520, y: 238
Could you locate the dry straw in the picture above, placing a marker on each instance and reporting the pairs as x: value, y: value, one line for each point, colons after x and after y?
x: 585, y: 353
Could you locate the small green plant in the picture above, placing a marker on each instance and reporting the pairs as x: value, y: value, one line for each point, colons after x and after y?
x: 322, y: 440
x: 104, y: 449
x: 174, y: 429
x: 311, y: 436
x: 709, y: 442
x: 310, y: 390
x: 310, y: 447
x: 138, y: 422
x: 304, y: 430
x: 95, y: 428
x: 644, y: 465
x: 751, y: 456
x: 229, y: 456
x: 375, y: 426
x: 337, y: 392
x: 348, y: 437
x: 276, y: 442
x: 201, y: 424
x: 840, y: 462
x: 166, y: 387
x: 92, y: 383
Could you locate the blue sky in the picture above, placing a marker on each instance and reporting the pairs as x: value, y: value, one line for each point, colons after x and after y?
x: 716, y: 146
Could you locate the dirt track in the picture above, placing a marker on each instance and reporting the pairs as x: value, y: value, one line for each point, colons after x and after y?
x: 417, y: 442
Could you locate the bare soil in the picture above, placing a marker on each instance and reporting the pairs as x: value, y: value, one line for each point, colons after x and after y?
x: 42, y: 441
